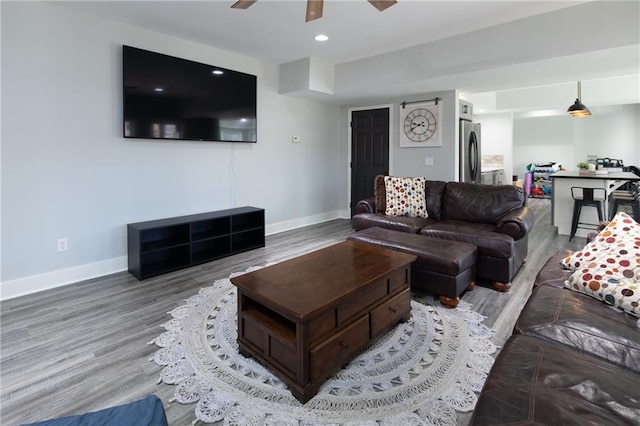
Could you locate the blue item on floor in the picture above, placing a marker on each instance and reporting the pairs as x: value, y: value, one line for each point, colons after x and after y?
x: 145, y: 412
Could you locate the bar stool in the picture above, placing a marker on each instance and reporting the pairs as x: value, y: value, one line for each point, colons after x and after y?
x: 590, y: 197
x: 626, y: 198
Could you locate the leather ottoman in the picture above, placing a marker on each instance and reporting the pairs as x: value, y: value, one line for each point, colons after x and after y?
x: 537, y: 382
x: 444, y: 267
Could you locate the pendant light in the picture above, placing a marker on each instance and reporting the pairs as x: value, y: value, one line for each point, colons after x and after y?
x: 578, y: 109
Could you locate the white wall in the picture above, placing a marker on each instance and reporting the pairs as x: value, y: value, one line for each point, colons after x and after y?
x: 67, y: 171
x: 612, y: 132
x: 497, y: 139
x: 411, y: 161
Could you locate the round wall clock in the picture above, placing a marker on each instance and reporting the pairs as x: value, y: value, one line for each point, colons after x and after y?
x: 420, y: 125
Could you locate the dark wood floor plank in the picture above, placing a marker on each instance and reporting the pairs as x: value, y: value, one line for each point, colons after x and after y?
x: 83, y: 347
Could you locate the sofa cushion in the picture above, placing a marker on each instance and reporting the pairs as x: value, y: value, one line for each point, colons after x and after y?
x: 434, y: 191
x: 484, y: 236
x: 552, y: 274
x: 434, y: 254
x: 405, y: 196
x: 583, y: 323
x: 379, y: 194
x: 537, y: 382
x: 411, y: 225
x: 480, y: 203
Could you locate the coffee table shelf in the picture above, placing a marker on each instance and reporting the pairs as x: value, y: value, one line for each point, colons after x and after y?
x: 272, y: 322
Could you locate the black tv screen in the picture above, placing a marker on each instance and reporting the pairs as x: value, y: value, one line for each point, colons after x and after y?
x: 172, y: 98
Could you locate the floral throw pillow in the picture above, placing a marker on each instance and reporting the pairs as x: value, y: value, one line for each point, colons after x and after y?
x: 405, y: 196
x: 608, y: 269
x: 614, y: 281
x: 618, y: 233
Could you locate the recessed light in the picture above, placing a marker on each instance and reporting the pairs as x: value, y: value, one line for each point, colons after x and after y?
x: 159, y: 89
x: 321, y: 37
x: 217, y: 72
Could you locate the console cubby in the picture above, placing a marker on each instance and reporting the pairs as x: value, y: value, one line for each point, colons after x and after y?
x: 210, y: 249
x: 163, y: 238
x: 159, y: 246
x: 247, y: 240
x: 247, y: 221
x: 206, y: 229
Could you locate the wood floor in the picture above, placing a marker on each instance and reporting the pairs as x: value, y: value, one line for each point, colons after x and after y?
x: 83, y: 347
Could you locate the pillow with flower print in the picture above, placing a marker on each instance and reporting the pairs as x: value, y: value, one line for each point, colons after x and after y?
x: 614, y: 280
x: 622, y: 232
x: 405, y: 196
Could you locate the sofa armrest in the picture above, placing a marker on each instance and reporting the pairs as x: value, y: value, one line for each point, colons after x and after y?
x: 368, y: 205
x: 517, y: 223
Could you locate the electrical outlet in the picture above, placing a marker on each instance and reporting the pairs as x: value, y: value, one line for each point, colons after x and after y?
x: 63, y: 244
x: 428, y: 161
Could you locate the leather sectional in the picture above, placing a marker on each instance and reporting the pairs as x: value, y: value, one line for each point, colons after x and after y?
x: 494, y: 218
x: 571, y: 360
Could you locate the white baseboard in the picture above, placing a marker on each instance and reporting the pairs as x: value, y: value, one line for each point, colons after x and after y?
x: 276, y: 228
x: 62, y: 277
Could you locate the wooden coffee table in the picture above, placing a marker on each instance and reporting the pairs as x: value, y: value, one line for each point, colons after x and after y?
x: 306, y: 317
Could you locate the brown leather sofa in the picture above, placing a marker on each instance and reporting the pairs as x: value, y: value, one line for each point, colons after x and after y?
x: 494, y: 218
x: 571, y: 360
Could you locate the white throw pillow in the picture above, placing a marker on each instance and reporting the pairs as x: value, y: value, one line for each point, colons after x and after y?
x: 405, y: 196
x: 608, y: 269
x: 621, y: 231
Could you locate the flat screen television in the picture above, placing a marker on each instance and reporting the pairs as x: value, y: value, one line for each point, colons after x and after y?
x: 165, y: 97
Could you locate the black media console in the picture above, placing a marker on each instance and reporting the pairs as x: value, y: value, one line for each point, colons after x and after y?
x: 159, y: 246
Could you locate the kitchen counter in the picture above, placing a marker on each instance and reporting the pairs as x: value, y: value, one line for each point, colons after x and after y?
x: 575, y: 174
x: 492, y: 175
x: 562, y: 203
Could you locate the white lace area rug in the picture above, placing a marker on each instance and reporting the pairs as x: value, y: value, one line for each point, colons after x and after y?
x: 421, y: 372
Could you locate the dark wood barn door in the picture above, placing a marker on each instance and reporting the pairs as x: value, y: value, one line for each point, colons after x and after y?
x: 369, y: 151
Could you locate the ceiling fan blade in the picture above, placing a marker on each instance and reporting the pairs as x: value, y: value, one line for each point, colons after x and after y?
x: 243, y: 4
x: 382, y: 5
x: 314, y: 9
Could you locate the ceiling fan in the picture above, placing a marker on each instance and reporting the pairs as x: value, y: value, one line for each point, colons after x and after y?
x: 314, y: 7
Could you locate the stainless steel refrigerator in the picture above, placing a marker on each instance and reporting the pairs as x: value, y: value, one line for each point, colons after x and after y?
x: 470, y: 164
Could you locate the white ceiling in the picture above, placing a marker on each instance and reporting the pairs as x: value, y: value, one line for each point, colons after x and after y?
x: 275, y: 31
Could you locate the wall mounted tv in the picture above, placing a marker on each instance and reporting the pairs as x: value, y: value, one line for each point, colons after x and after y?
x: 172, y: 98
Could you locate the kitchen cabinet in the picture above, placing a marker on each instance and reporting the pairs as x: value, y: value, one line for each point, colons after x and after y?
x: 493, y: 177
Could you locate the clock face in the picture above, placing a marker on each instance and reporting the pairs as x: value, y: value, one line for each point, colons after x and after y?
x: 420, y: 125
